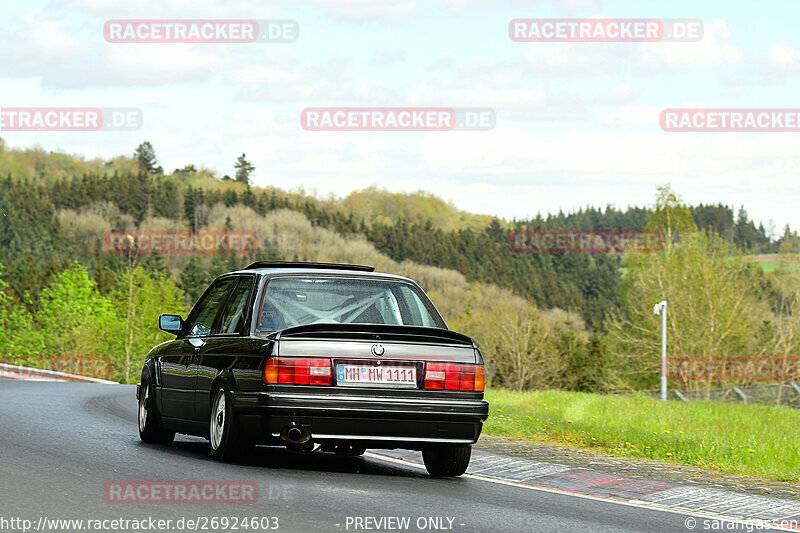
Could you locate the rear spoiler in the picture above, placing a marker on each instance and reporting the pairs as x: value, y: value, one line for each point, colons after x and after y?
x: 376, y: 332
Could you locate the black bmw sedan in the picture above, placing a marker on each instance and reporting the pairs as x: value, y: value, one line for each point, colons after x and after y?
x: 316, y: 356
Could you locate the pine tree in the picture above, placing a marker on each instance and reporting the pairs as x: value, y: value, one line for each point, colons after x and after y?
x: 243, y: 169
x: 146, y: 155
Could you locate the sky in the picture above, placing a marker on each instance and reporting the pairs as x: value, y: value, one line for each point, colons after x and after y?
x: 576, y: 123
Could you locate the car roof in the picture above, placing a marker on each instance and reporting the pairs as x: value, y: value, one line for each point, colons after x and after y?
x: 309, y: 264
x: 321, y: 272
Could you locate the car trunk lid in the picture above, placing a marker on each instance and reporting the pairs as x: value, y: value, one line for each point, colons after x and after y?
x: 375, y: 342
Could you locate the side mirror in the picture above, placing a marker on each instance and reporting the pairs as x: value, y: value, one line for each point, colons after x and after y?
x: 171, y: 323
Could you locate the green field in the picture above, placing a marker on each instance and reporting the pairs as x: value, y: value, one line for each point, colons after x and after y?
x: 751, y: 440
x: 771, y: 262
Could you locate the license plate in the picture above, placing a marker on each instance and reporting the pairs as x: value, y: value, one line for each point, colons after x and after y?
x: 368, y: 375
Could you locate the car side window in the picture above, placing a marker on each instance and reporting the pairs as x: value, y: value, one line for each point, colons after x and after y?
x: 416, y: 307
x: 206, y: 310
x: 234, y: 315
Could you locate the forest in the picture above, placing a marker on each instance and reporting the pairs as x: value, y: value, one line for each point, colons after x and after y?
x: 563, y: 321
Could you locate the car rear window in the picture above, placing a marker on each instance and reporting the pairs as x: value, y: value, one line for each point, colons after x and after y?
x: 299, y: 301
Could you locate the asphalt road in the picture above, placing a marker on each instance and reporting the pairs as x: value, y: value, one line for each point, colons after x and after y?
x: 60, y: 443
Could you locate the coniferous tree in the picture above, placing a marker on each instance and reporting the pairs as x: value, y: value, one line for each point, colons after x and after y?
x: 243, y: 169
x: 145, y: 154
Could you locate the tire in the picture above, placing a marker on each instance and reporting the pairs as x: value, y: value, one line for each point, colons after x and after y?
x: 349, y: 450
x: 446, y: 461
x: 225, y: 442
x: 150, y: 429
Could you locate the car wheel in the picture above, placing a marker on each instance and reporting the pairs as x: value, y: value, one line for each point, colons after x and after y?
x: 349, y: 450
x: 446, y: 461
x: 225, y: 441
x: 150, y: 429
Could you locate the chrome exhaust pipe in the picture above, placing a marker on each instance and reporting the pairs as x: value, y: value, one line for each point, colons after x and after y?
x: 294, y: 435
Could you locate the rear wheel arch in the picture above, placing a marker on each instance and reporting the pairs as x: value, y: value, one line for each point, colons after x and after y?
x: 227, y: 443
x: 223, y: 378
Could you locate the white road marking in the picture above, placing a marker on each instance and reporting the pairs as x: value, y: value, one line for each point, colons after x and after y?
x: 651, y: 506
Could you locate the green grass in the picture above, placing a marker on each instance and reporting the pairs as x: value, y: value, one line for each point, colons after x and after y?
x: 751, y: 440
x: 771, y: 262
x: 772, y: 267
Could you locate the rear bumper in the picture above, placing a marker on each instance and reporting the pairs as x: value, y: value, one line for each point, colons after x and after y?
x: 386, y: 422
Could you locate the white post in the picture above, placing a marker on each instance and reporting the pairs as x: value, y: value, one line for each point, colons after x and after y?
x: 661, y: 309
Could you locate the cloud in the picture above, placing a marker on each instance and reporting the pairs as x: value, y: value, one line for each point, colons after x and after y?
x: 146, y: 65
x: 715, y: 50
x: 442, y: 63
x: 349, y: 10
x: 570, y: 7
x: 578, y: 60
x: 315, y: 85
x: 367, y: 10
x: 487, y: 83
x: 389, y: 57
x: 465, y: 6
x: 32, y: 43
x: 582, y: 60
x: 782, y: 61
x: 57, y: 51
x: 621, y: 93
x: 634, y: 116
x: 176, y: 9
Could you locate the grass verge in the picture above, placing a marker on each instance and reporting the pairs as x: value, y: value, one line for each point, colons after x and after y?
x: 753, y: 440
x: 772, y: 262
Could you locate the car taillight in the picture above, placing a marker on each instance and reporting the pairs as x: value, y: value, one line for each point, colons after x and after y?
x: 447, y: 376
x: 480, y: 378
x: 284, y: 371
